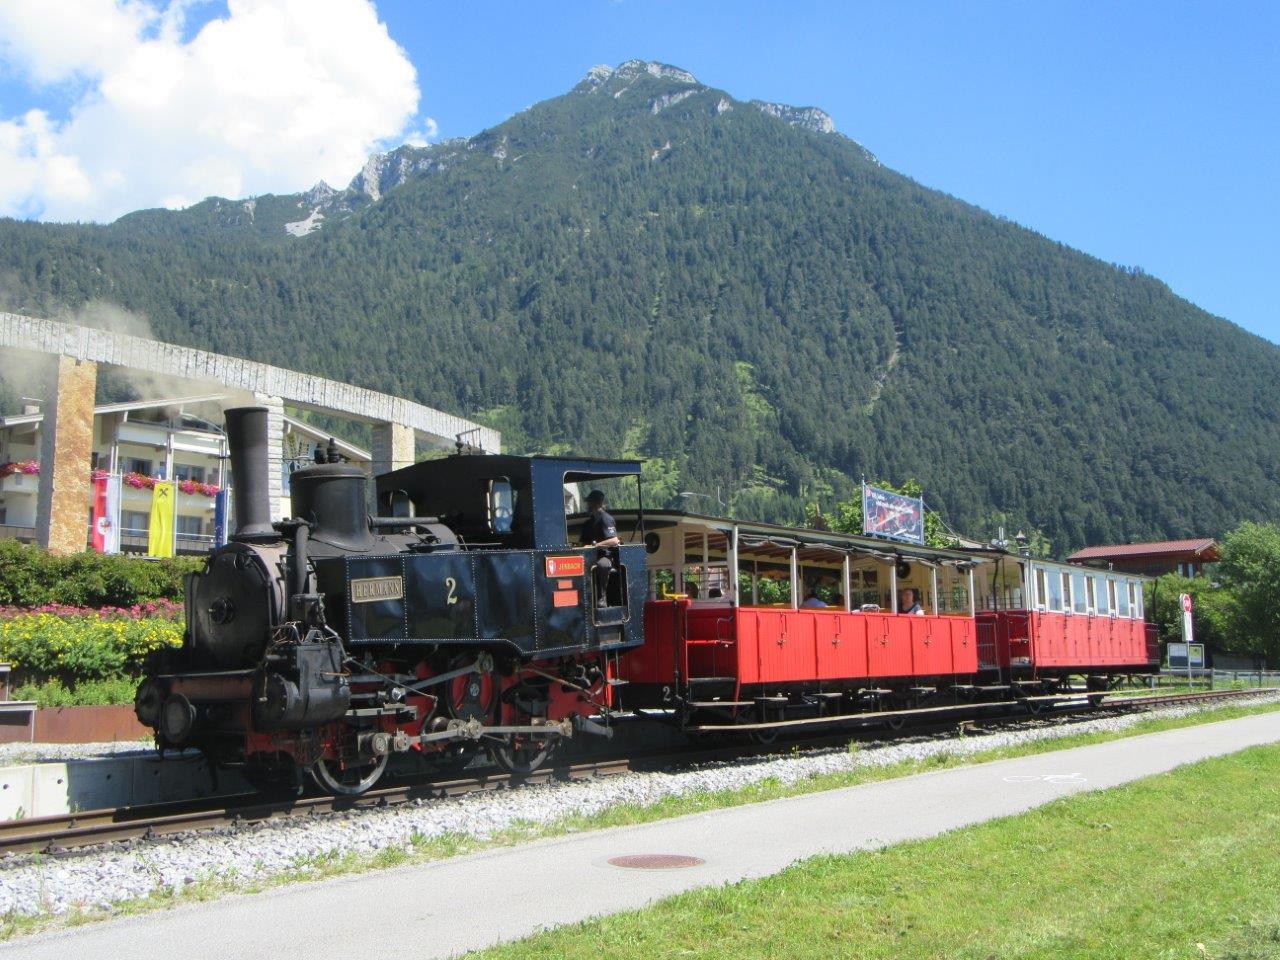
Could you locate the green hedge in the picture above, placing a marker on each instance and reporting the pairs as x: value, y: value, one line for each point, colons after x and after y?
x: 89, y: 693
x: 30, y: 577
x: 86, y: 647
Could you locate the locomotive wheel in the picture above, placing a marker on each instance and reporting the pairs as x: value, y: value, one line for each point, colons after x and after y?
x: 352, y: 781
x: 521, y: 755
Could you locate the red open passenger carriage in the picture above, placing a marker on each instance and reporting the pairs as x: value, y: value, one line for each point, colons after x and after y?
x: 714, y: 653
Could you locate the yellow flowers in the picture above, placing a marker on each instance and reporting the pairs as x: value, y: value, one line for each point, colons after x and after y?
x: 83, y: 646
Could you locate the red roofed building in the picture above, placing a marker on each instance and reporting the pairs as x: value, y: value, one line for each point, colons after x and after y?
x: 1187, y: 557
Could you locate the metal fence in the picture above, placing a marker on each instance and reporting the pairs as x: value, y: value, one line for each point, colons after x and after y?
x: 1216, y: 679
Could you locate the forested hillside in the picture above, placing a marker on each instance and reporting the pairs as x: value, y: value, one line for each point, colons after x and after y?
x: 648, y: 266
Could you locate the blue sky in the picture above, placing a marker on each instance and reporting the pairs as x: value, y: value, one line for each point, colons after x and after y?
x: 1145, y: 134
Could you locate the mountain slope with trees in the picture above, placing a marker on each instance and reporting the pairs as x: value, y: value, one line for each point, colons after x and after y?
x: 648, y: 266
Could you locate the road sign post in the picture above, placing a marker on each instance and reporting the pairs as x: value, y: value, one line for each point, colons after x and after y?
x: 1188, y: 630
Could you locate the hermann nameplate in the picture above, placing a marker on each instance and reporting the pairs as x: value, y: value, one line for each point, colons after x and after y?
x: 371, y: 589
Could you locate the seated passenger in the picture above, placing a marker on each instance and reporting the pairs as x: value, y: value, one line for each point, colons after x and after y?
x: 813, y: 600
x: 910, y: 604
x: 715, y: 593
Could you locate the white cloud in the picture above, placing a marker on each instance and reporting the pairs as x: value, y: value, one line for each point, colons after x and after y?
x: 271, y: 97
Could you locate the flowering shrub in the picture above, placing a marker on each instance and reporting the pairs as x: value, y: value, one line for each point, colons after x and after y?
x: 159, y: 609
x: 140, y: 481
x: 29, y: 467
x: 83, y: 647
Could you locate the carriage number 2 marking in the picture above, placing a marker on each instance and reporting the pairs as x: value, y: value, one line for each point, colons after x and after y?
x: 452, y: 596
x: 666, y: 694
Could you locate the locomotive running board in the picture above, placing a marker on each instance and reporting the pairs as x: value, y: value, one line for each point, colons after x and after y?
x: 877, y: 715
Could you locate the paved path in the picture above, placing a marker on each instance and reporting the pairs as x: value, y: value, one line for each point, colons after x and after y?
x: 439, y: 909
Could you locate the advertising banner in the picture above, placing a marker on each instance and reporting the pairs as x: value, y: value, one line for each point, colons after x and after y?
x: 887, y: 514
x: 160, y: 534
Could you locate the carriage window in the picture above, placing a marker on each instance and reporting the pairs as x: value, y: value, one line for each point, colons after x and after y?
x: 1111, y: 597
x: 1079, y: 594
x: 1066, y: 590
x: 1091, y: 593
x: 1122, y: 595
x: 501, y: 506
x: 1135, y: 601
x: 1055, y: 593
x: 1100, y: 594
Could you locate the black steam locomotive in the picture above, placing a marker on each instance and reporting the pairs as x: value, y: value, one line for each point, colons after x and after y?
x: 460, y: 617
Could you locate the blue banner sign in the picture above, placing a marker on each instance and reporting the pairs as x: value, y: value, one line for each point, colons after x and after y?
x: 887, y: 514
x: 220, y: 518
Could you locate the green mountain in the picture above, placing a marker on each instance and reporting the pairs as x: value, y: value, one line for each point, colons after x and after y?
x: 650, y: 266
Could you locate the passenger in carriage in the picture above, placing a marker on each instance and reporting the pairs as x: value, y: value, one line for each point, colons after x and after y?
x: 910, y: 604
x: 812, y: 599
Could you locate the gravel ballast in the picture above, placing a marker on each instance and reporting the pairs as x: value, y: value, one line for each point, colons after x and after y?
x: 102, y: 877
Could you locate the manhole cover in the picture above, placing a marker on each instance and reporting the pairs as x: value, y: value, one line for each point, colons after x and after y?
x: 656, y: 861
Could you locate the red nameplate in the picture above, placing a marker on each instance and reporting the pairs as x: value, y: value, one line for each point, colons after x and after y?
x: 574, y: 566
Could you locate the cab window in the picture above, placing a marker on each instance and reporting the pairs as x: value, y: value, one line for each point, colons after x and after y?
x: 501, y: 506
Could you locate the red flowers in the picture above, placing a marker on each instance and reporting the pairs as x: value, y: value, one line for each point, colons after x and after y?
x: 30, y: 467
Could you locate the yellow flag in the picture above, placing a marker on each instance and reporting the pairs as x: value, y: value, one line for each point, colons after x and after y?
x: 160, y: 534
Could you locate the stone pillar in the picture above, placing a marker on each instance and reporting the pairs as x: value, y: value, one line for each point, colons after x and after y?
x: 393, y: 448
x: 275, y: 453
x: 66, y: 453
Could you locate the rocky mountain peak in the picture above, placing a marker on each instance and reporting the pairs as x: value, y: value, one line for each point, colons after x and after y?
x: 806, y: 118
x: 631, y: 70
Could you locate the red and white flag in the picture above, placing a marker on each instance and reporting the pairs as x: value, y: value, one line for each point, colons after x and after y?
x: 101, y: 521
x: 106, y: 514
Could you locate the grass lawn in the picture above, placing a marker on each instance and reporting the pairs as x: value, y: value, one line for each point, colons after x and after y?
x: 1186, y: 864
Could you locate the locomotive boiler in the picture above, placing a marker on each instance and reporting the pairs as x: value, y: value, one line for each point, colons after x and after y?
x: 459, y: 617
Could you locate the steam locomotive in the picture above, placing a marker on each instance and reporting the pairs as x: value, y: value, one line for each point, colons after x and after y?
x: 459, y: 618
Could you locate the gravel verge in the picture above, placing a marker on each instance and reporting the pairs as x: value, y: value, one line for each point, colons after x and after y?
x: 102, y: 877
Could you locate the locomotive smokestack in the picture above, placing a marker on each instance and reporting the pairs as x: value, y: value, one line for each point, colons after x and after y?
x: 248, y: 443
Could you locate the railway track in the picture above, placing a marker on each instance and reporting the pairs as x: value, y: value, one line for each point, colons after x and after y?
x: 61, y: 833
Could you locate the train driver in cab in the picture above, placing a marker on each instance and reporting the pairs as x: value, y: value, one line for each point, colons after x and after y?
x: 600, y: 531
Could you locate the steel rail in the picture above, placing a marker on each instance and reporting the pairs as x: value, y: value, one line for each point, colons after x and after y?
x: 60, y: 833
